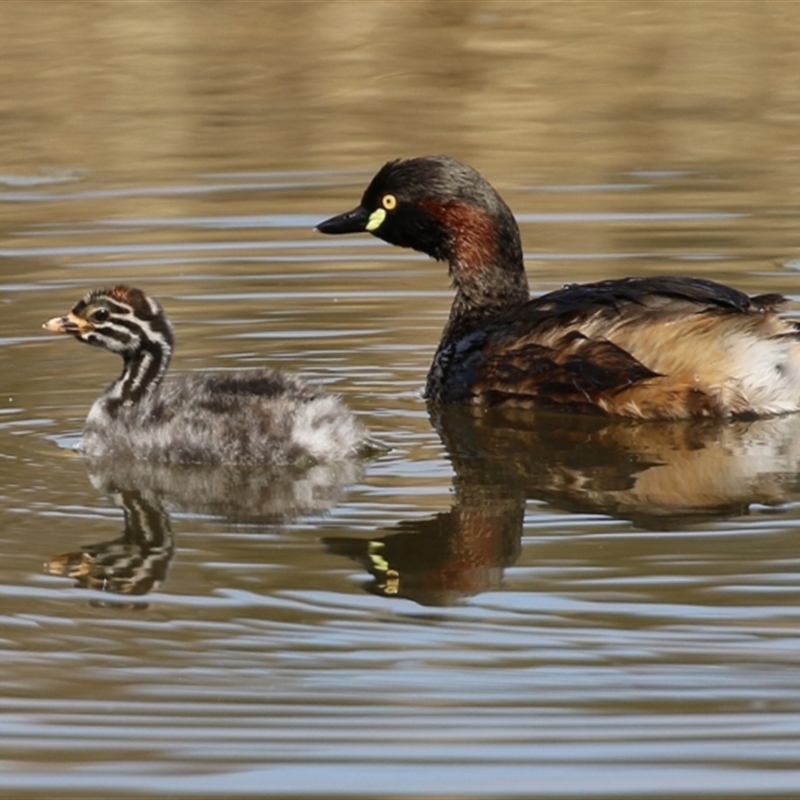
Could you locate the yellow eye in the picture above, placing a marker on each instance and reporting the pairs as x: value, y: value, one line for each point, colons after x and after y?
x: 389, y: 202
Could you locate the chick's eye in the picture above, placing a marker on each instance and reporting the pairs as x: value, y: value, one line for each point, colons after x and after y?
x: 101, y: 315
x: 389, y: 202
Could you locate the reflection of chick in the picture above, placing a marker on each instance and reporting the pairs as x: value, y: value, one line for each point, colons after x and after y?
x: 649, y: 348
x: 134, y: 564
x: 252, y: 417
x: 239, y: 494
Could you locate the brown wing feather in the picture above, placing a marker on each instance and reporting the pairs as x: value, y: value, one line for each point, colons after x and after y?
x: 652, y: 347
x: 572, y: 373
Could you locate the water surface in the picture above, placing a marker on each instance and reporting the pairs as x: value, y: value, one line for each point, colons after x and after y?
x: 501, y: 605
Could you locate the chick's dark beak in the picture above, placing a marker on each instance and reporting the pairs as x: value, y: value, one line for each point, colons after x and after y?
x: 354, y: 221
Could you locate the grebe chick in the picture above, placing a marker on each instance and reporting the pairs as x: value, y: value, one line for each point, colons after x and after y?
x: 253, y: 417
x: 651, y: 348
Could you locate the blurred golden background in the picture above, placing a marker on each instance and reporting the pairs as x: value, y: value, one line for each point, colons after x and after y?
x: 148, y: 86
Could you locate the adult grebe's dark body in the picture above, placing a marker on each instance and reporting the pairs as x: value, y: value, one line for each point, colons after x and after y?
x: 651, y: 348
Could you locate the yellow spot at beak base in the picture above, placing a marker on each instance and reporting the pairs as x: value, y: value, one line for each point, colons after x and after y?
x: 376, y: 218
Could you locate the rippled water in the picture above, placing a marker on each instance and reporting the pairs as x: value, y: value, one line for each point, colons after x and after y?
x: 517, y: 604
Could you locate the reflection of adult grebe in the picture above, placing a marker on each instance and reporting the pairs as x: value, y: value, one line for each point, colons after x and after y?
x: 251, y: 417
x: 658, y: 475
x: 650, y: 348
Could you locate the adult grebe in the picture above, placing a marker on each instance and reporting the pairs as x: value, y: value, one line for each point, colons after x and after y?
x: 651, y: 348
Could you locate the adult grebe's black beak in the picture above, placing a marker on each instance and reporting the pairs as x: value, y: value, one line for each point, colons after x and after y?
x: 354, y: 221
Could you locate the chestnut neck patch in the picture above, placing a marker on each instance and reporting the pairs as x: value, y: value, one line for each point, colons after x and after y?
x: 473, y: 234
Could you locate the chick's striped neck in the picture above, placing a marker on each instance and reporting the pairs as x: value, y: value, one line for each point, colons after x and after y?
x: 145, y: 365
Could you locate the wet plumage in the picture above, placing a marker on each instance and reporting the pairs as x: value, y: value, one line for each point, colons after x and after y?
x: 245, y: 417
x: 652, y: 348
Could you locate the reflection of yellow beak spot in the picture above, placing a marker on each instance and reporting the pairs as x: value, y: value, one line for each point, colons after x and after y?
x: 376, y: 218
x: 391, y: 577
x: 379, y: 563
x: 392, y: 584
